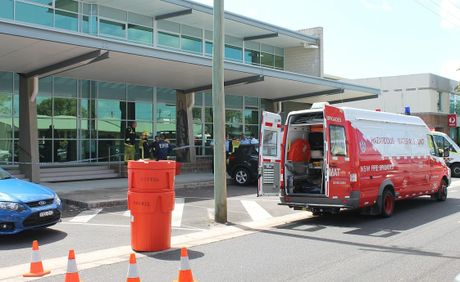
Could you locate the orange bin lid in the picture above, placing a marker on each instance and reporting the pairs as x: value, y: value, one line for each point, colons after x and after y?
x: 151, y: 164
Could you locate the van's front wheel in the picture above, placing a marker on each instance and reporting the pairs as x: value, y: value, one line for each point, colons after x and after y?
x: 388, y: 203
x: 455, y: 170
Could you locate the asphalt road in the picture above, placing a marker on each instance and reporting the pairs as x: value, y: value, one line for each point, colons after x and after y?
x: 418, y: 243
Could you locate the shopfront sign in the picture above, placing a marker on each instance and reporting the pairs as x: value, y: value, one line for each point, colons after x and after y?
x: 452, y: 120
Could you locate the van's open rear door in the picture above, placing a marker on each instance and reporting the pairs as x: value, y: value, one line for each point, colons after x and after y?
x: 337, y: 156
x: 270, y: 154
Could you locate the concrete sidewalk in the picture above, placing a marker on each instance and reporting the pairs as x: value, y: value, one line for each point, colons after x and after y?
x: 113, y: 192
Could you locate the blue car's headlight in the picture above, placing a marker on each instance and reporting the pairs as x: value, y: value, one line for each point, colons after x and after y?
x: 57, y: 200
x: 11, y: 206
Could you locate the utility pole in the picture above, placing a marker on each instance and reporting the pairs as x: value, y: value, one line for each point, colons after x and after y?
x: 218, y: 104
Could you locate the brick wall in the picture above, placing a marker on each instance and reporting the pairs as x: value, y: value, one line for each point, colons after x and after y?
x: 435, y: 120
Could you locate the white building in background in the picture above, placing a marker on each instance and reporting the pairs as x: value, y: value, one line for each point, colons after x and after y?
x: 427, y: 95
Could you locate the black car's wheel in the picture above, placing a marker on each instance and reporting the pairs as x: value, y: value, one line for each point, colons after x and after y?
x: 441, y: 195
x: 388, y: 203
x: 241, y: 176
x: 455, y: 170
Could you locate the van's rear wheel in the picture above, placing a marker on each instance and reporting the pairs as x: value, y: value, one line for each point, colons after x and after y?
x: 455, y: 170
x: 241, y: 176
x: 388, y: 203
x: 441, y: 195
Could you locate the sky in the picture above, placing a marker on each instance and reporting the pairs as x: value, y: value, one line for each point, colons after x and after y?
x: 371, y: 38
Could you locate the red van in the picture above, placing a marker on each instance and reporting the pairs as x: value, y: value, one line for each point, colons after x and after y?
x: 330, y: 158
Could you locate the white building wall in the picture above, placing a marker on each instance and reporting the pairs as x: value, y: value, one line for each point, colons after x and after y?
x: 304, y: 59
x: 421, y: 92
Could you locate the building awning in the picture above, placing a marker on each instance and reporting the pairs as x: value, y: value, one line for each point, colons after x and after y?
x: 25, y: 49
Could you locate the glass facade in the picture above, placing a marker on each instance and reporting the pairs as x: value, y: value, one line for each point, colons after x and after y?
x: 85, y: 121
x: 116, y: 24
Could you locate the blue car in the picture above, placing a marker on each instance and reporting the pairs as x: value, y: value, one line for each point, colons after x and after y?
x: 25, y: 205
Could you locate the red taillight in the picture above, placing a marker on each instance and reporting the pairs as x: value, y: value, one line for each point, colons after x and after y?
x: 232, y: 157
x: 282, y: 157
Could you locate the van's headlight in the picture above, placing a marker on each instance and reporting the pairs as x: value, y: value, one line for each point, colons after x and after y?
x: 57, y: 200
x: 11, y: 206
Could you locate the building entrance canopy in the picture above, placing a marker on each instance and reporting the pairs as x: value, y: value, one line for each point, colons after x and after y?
x: 27, y: 49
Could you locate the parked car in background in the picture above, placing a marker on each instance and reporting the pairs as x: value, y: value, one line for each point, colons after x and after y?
x: 25, y: 205
x: 444, y: 142
x: 243, y: 164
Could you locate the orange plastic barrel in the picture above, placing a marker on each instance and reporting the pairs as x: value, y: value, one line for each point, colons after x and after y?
x: 151, y: 202
x: 151, y: 220
x: 178, y: 168
x: 151, y: 176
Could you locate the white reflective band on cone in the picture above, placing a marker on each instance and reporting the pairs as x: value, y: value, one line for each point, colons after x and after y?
x: 184, y: 265
x: 36, y: 256
x: 72, y: 266
x: 132, y: 271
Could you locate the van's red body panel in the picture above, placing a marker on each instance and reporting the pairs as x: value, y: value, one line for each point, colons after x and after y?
x: 379, y: 150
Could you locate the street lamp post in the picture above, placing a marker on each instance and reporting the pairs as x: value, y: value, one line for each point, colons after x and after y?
x: 218, y: 103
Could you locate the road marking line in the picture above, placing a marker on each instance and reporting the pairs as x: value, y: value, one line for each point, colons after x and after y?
x: 255, y: 211
x: 127, y: 226
x: 86, y: 216
x: 121, y: 254
x: 210, y: 214
x: 127, y: 213
x: 379, y: 233
x: 178, y: 212
x: 95, y: 224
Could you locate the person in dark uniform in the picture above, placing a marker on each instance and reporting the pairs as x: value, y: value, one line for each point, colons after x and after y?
x: 162, y: 148
x: 156, y: 139
x: 144, y: 146
x: 130, y: 142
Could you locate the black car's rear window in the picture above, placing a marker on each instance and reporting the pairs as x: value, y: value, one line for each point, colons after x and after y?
x: 247, y: 149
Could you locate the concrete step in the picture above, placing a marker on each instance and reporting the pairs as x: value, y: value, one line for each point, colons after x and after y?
x: 79, y: 177
x: 72, y: 168
x: 71, y: 173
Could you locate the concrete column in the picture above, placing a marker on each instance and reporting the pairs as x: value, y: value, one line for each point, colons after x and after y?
x: 184, y: 127
x: 28, y: 140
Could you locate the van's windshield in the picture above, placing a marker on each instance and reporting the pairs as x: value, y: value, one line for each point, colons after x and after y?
x: 453, y: 146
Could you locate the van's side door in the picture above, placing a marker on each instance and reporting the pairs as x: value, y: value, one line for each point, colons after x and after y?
x: 438, y: 143
x: 337, y: 147
x: 270, y: 155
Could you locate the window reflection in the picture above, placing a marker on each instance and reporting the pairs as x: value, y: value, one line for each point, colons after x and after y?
x: 34, y: 14
x: 140, y: 34
x: 6, y: 104
x: 108, y: 109
x: 66, y: 20
x: 6, y: 151
x: 191, y: 44
x: 7, y: 10
x: 112, y: 28
x: 168, y: 40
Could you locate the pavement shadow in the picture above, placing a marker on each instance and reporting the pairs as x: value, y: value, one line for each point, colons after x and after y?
x: 361, y: 246
x: 408, y: 214
x: 25, y: 239
x: 174, y: 255
x: 207, y: 193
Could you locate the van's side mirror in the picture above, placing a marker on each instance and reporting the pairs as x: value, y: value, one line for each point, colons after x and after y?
x: 446, y: 152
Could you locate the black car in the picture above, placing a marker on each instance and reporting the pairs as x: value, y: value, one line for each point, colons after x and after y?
x: 243, y: 164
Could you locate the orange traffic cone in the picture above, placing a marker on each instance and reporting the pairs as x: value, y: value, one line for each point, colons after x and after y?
x: 185, y: 273
x: 72, y: 271
x: 36, y: 266
x: 133, y: 273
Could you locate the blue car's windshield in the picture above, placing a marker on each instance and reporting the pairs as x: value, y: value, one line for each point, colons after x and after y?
x: 4, y: 174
